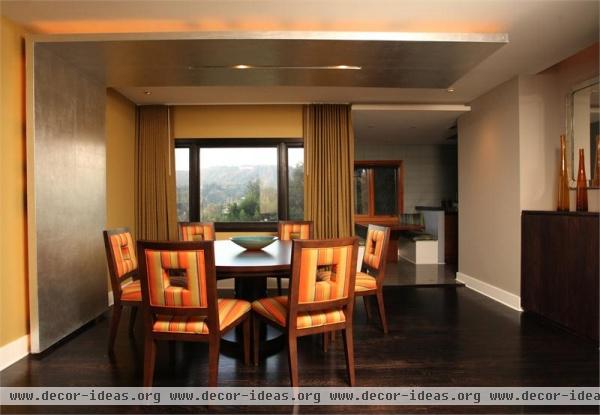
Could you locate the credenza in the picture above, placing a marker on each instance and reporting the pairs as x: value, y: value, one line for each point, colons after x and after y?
x: 559, y: 268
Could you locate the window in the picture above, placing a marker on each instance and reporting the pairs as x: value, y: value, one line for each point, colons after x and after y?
x: 378, y: 190
x: 182, y: 179
x: 296, y: 183
x: 240, y: 184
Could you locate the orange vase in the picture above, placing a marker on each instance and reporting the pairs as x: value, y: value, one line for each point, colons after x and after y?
x: 581, y: 195
x: 563, y: 178
x: 596, y: 179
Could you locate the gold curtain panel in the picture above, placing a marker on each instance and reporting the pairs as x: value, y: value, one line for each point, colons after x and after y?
x: 329, y: 166
x: 156, y: 208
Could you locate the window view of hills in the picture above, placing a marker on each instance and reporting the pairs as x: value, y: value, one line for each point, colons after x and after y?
x: 241, y: 193
x: 238, y: 193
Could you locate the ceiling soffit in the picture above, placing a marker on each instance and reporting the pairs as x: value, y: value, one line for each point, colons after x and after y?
x: 387, y: 60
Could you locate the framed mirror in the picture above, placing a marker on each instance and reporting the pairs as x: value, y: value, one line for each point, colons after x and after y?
x: 582, y: 128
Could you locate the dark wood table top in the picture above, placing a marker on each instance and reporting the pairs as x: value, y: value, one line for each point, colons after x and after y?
x: 233, y: 260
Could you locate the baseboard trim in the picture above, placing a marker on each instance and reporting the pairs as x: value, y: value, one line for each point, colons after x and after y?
x: 14, y: 351
x: 497, y: 294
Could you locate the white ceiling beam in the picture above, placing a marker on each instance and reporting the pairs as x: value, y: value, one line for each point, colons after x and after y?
x: 411, y: 107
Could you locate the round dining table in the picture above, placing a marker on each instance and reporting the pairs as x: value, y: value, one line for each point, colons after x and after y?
x: 251, y: 268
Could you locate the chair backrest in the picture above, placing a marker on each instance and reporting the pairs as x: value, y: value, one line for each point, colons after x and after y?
x: 295, y: 229
x: 376, y: 247
x: 121, y: 257
x: 196, y: 231
x: 192, y: 261
x: 308, y: 294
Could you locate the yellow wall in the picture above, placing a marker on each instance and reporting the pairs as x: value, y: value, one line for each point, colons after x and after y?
x: 120, y: 161
x: 237, y: 121
x: 14, y: 316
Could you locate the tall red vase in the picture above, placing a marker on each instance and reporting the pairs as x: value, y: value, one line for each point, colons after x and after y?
x: 596, y: 178
x: 581, y: 193
x: 563, y: 178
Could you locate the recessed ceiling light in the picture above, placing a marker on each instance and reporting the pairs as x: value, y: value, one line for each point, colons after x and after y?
x: 243, y: 66
x: 147, y: 92
x: 352, y: 67
x: 450, y: 90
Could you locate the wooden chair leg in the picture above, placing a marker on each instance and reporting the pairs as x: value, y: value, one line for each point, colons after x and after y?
x: 213, y: 359
x: 349, y: 352
x: 325, y: 339
x: 246, y: 334
x: 114, y: 326
x: 149, y: 359
x: 255, y: 338
x: 367, y: 308
x: 381, y: 307
x: 132, y: 317
x: 279, y: 289
x: 293, y: 359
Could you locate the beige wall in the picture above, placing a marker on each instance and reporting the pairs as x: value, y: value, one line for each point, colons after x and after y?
x: 120, y: 161
x: 13, y: 229
x: 508, y: 156
x: 542, y: 110
x: 430, y: 171
x: 237, y: 121
x: 488, y: 189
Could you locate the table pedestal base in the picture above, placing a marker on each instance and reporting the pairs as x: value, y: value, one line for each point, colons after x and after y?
x: 251, y: 288
x: 272, y: 341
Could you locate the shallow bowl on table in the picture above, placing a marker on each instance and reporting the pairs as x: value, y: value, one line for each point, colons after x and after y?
x: 253, y: 243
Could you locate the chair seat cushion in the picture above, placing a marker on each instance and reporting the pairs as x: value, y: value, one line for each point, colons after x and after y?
x: 424, y: 237
x: 365, y: 282
x: 419, y: 236
x: 275, y: 309
x: 131, y: 291
x: 229, y: 311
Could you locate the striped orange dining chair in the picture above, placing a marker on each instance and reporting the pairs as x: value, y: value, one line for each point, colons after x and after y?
x: 196, y: 231
x: 314, y: 306
x: 369, y: 280
x: 189, y: 313
x: 123, y: 271
x: 293, y: 229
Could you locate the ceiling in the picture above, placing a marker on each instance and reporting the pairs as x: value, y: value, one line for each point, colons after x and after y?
x: 540, y: 33
x: 406, y: 124
x: 308, y: 59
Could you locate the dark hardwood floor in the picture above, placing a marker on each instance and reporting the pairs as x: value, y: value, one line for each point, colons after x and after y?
x: 406, y: 273
x: 438, y: 337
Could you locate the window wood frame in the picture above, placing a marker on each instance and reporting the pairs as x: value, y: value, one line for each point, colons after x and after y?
x: 371, y: 217
x: 281, y: 144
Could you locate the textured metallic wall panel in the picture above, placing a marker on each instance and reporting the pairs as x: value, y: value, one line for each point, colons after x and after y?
x: 70, y: 199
